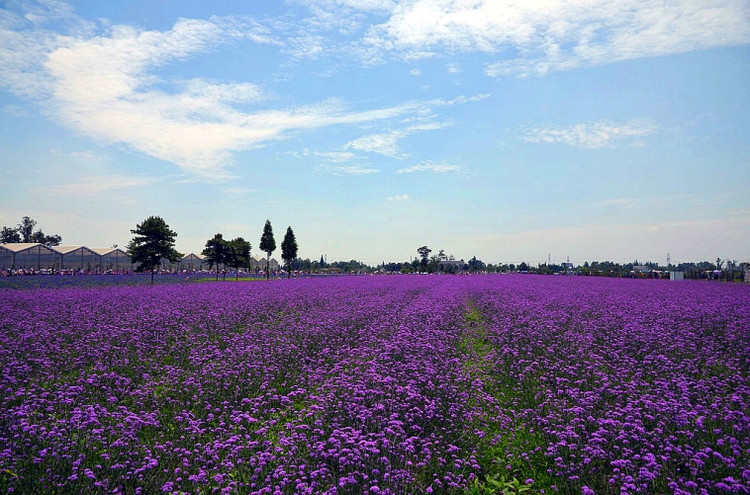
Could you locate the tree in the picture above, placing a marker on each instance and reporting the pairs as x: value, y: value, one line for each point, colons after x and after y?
x: 47, y: 240
x: 217, y: 252
x: 424, y: 253
x: 24, y: 232
x: 289, y: 250
x: 26, y: 228
x: 10, y: 234
x: 239, y: 253
x: 268, y: 245
x: 153, y: 241
x: 476, y: 265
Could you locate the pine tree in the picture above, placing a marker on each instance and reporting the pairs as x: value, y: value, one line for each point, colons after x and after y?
x: 240, y: 254
x: 289, y: 250
x: 153, y: 241
x: 268, y: 245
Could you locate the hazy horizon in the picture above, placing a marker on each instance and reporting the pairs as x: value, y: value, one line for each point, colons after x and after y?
x: 508, y: 132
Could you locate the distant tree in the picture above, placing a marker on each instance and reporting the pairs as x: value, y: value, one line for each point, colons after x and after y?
x: 289, y: 250
x: 424, y: 253
x: 322, y: 261
x: 239, y: 255
x: 523, y: 267
x: 26, y: 228
x: 442, y: 256
x: 24, y: 232
x: 47, y: 240
x: 217, y: 252
x: 268, y: 245
x: 153, y: 241
x: 10, y: 234
x: 475, y: 265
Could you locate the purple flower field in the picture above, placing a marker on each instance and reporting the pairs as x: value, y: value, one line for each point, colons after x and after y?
x: 398, y: 384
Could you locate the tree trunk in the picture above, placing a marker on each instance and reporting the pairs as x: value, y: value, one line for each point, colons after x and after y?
x: 217, y: 272
x: 152, y: 277
x: 268, y: 266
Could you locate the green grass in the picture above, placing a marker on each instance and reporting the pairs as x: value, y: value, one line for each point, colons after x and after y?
x: 501, y: 447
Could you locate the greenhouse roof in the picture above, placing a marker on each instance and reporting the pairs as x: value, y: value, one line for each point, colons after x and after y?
x: 17, y: 247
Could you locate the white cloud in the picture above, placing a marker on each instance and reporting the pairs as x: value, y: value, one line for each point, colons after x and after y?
x: 384, y: 144
x: 331, y: 156
x: 102, y: 82
x: 387, y: 143
x: 415, y: 72
x: 103, y: 86
x: 100, y: 184
x: 436, y: 168
x: 453, y: 68
x: 558, y: 34
x: 589, y: 135
x: 398, y: 197
x: 347, y: 170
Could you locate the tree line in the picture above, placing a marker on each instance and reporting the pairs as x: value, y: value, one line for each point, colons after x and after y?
x: 24, y: 232
x: 154, y: 241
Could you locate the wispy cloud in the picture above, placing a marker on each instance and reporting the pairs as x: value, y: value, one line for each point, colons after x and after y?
x: 415, y: 72
x: 589, y: 135
x: 453, y: 68
x: 101, y: 184
x: 331, y: 156
x: 101, y: 82
x: 436, y: 168
x: 387, y: 143
x: 398, y: 197
x: 348, y: 170
x: 557, y: 34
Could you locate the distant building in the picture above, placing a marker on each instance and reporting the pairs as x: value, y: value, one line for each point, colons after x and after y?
x: 78, y: 258
x: 259, y: 264
x: 641, y: 269
x: 28, y: 255
x: 674, y: 275
x: 451, y: 266
x: 747, y: 275
x: 192, y: 262
x: 113, y: 259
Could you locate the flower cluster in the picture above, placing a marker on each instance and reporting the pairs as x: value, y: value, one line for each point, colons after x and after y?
x: 384, y: 385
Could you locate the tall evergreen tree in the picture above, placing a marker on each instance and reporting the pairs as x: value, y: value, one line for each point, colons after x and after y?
x: 289, y: 250
x: 153, y: 241
x: 217, y: 252
x: 239, y: 254
x: 268, y: 245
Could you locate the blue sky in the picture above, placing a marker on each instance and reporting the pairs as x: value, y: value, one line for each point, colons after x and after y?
x: 505, y: 130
